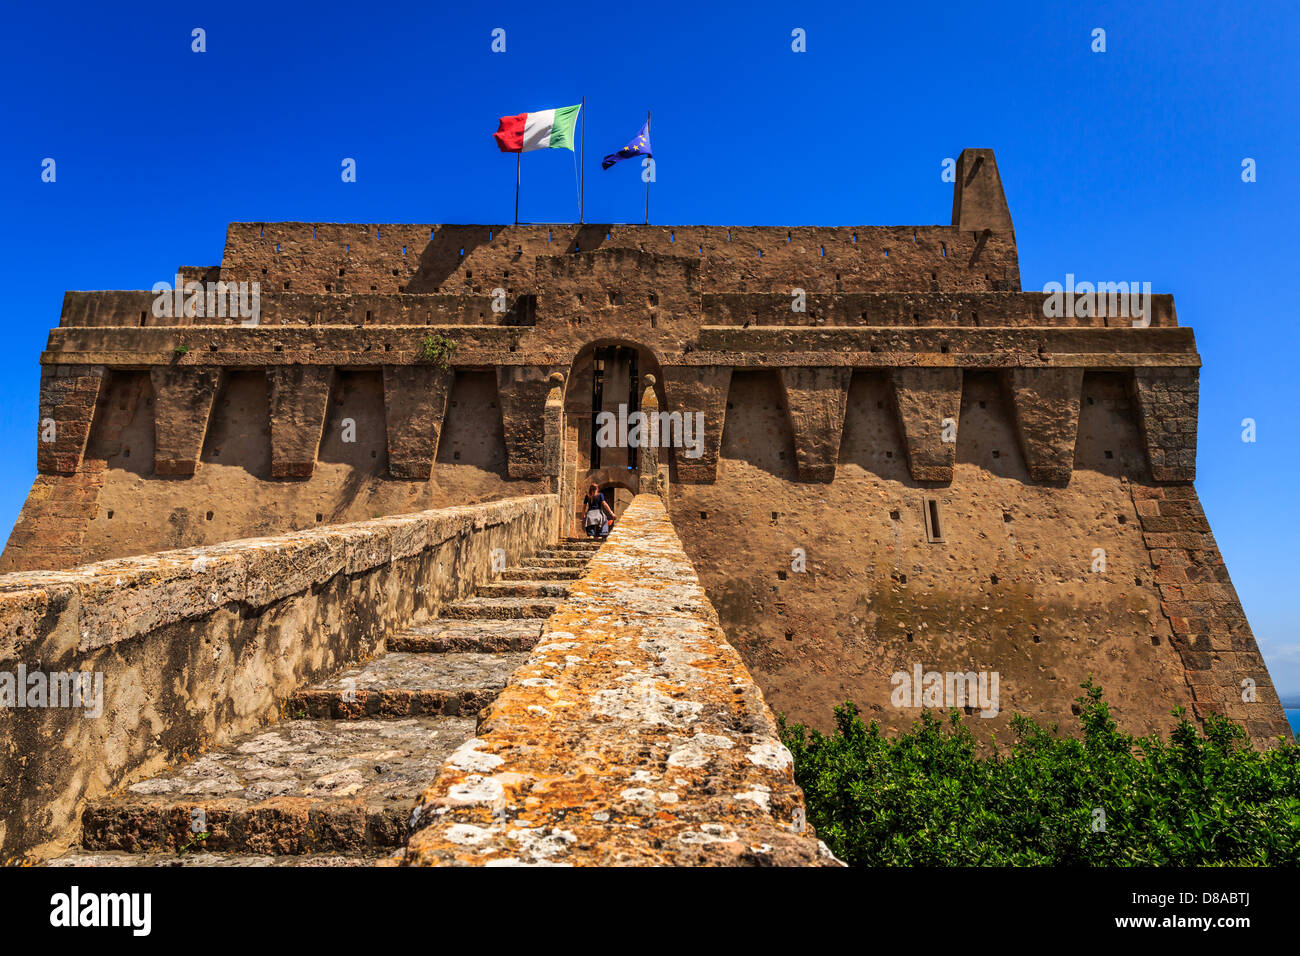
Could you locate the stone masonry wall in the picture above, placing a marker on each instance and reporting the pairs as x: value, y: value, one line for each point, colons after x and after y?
x: 388, y: 258
x: 1224, y: 668
x: 200, y: 645
x: 633, y: 735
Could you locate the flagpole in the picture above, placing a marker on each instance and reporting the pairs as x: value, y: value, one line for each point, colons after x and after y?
x: 582, y: 162
x: 518, y: 156
x: 648, y: 178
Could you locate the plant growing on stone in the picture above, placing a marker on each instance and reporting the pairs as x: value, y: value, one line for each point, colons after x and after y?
x: 194, y: 842
x: 929, y: 797
x: 436, y: 349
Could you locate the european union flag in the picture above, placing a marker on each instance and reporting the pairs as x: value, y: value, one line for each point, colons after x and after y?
x: 640, y: 146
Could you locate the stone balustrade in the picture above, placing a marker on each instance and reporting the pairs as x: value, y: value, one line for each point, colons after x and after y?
x: 188, y: 649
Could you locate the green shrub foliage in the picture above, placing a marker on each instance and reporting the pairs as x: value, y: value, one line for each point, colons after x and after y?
x: 930, y: 797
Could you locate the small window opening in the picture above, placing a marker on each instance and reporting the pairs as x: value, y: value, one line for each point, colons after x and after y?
x: 933, y: 521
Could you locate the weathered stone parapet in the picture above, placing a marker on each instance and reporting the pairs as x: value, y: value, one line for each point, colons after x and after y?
x: 952, y: 310
x: 633, y: 735
x: 337, y: 307
x: 197, y: 646
x: 473, y: 258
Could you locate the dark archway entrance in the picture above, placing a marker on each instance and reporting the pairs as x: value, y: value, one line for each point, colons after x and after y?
x: 603, y: 389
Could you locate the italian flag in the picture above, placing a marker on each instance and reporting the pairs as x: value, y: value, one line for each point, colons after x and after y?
x: 545, y: 129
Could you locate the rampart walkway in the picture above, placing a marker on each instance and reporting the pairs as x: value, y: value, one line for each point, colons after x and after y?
x: 633, y: 735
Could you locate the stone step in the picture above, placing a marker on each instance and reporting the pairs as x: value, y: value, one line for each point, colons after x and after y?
x: 522, y: 589
x: 402, y: 684
x: 541, y: 574
x: 505, y: 607
x: 583, y: 541
x: 577, y: 547
x: 301, y: 786
x: 576, y: 563
x: 558, y: 553
x: 441, y: 637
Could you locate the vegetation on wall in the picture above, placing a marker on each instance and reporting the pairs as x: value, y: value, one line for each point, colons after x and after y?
x: 929, y: 797
x: 436, y: 349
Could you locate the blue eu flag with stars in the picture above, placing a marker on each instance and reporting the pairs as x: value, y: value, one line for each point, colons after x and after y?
x: 640, y: 146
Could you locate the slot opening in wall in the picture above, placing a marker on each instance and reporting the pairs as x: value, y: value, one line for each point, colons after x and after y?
x: 933, y: 522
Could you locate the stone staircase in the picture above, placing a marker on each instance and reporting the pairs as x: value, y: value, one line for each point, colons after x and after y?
x: 334, y: 783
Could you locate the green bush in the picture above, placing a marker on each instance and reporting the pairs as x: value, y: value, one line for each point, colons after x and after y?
x: 930, y: 798
x: 436, y: 350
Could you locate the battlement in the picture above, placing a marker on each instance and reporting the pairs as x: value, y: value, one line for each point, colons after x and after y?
x: 397, y: 258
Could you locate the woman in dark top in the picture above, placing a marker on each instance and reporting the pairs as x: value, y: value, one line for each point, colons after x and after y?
x: 597, y: 518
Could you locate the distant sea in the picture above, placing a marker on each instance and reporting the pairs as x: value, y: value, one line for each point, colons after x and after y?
x: 1293, y: 715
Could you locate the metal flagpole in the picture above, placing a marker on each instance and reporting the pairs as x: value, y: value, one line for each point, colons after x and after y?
x: 647, y: 179
x: 582, y: 161
x: 518, y: 156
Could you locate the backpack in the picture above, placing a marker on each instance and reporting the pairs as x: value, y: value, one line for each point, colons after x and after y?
x: 595, y: 518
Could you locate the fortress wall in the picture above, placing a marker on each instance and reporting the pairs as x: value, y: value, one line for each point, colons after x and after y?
x: 1010, y: 588
x: 220, y: 480
x: 474, y: 259
x: 198, y: 451
x: 1060, y: 448
x: 200, y: 645
x: 282, y: 307
x: 968, y: 310
x: 632, y: 710
x: 664, y: 283
x: 1224, y: 670
x: 173, y: 434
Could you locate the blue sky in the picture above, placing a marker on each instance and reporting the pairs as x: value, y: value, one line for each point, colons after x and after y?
x: 1118, y: 165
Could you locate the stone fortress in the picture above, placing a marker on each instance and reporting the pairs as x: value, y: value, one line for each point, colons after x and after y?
x: 904, y: 462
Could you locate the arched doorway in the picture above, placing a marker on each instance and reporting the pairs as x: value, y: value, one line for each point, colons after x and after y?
x: 602, y: 390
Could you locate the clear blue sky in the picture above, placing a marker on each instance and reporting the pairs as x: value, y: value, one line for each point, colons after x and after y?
x: 1119, y: 165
